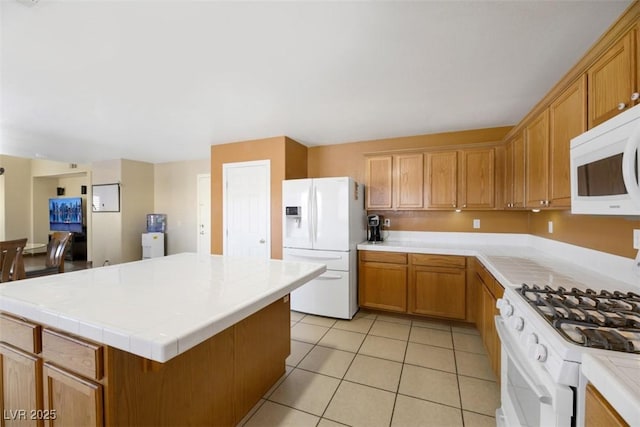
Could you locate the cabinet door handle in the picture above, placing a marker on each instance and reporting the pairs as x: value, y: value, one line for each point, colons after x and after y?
x: 622, y: 106
x: 635, y: 96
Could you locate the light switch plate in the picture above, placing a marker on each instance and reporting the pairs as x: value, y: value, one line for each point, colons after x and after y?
x: 550, y: 227
x: 636, y: 239
x: 476, y: 223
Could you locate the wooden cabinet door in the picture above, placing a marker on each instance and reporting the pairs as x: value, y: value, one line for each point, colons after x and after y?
x: 408, y: 181
x: 20, y: 387
x: 383, y: 286
x: 442, y: 179
x: 508, y: 175
x: 519, y: 169
x: 379, y: 182
x: 612, y: 80
x: 599, y: 412
x: 477, y: 178
x: 438, y: 292
x: 75, y: 400
x: 567, y: 119
x: 537, y: 161
x: 489, y: 333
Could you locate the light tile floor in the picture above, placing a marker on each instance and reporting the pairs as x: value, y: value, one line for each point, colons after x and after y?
x: 378, y: 370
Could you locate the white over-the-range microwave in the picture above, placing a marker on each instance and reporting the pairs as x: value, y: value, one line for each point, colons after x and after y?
x: 604, y: 167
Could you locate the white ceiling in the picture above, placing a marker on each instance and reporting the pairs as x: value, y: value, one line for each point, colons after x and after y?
x: 159, y: 81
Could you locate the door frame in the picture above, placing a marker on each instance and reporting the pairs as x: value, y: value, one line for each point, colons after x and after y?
x: 199, y: 221
x: 225, y: 167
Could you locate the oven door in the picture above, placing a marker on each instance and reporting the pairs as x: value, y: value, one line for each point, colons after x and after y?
x: 529, y: 395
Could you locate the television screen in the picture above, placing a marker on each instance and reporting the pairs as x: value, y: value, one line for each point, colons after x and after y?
x: 65, y: 214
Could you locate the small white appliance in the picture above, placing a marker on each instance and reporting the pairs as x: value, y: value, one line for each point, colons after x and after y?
x: 152, y: 245
x: 604, y: 167
x: 323, y: 221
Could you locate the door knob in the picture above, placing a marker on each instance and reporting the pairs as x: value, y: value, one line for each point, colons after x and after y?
x: 635, y: 96
x: 622, y: 106
x: 262, y: 240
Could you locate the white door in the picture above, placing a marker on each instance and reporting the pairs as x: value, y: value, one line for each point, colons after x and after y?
x: 246, y: 209
x: 204, y: 214
x: 331, y: 222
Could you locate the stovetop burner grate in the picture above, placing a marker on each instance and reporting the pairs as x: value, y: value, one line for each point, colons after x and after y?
x: 606, y: 320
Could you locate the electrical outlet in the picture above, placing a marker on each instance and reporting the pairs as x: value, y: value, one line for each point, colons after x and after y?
x: 387, y: 222
x: 476, y: 223
x: 636, y: 239
x: 550, y: 227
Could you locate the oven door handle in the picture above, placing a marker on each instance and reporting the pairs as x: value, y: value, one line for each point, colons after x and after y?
x: 514, y: 357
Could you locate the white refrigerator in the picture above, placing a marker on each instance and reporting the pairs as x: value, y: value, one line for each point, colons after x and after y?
x: 323, y: 221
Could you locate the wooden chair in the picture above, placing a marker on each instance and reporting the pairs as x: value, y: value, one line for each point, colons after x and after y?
x: 11, y: 262
x: 54, y: 262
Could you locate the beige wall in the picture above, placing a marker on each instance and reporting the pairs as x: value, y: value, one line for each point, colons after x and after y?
x: 17, y: 198
x: 175, y: 194
x: 106, y: 226
x: 43, y: 189
x: 137, y: 201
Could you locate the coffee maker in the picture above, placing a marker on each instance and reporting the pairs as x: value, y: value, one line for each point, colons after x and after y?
x: 375, y: 228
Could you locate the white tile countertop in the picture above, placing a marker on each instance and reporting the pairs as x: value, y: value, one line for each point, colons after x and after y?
x: 514, y: 259
x: 618, y: 380
x: 156, y: 308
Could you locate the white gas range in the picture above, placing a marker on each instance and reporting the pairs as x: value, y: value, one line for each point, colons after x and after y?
x: 545, y: 330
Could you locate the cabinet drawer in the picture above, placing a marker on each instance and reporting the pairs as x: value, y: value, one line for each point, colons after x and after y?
x: 72, y: 353
x: 451, y: 261
x: 20, y: 333
x: 378, y: 256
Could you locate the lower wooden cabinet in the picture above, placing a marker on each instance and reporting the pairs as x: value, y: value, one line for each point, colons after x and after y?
x: 70, y: 399
x: 489, y: 290
x: 430, y: 285
x: 598, y: 412
x: 437, y: 286
x: 382, y: 278
x: 20, y: 401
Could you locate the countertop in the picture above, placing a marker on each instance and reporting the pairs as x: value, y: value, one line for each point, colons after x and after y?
x: 156, y: 308
x: 517, y: 259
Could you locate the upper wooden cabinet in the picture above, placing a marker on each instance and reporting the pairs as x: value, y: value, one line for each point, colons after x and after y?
x: 395, y: 181
x: 433, y: 180
x: 477, y: 178
x: 613, y: 80
x: 379, y: 184
x: 567, y: 119
x: 536, y: 136
x: 442, y: 179
x: 408, y: 181
x: 514, y: 173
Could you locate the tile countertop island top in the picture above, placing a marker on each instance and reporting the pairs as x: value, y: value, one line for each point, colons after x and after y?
x: 516, y: 259
x: 156, y: 308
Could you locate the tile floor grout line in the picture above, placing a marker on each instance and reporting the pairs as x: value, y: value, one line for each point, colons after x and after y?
x: 455, y: 361
x: 345, y: 372
x: 404, y: 358
x: 407, y: 341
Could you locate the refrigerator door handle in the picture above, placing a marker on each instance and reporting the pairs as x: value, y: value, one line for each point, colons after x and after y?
x: 315, y: 215
x: 317, y: 257
x: 328, y: 277
x: 310, y: 208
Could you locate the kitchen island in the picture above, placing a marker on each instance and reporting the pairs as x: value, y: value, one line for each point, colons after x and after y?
x: 178, y: 340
